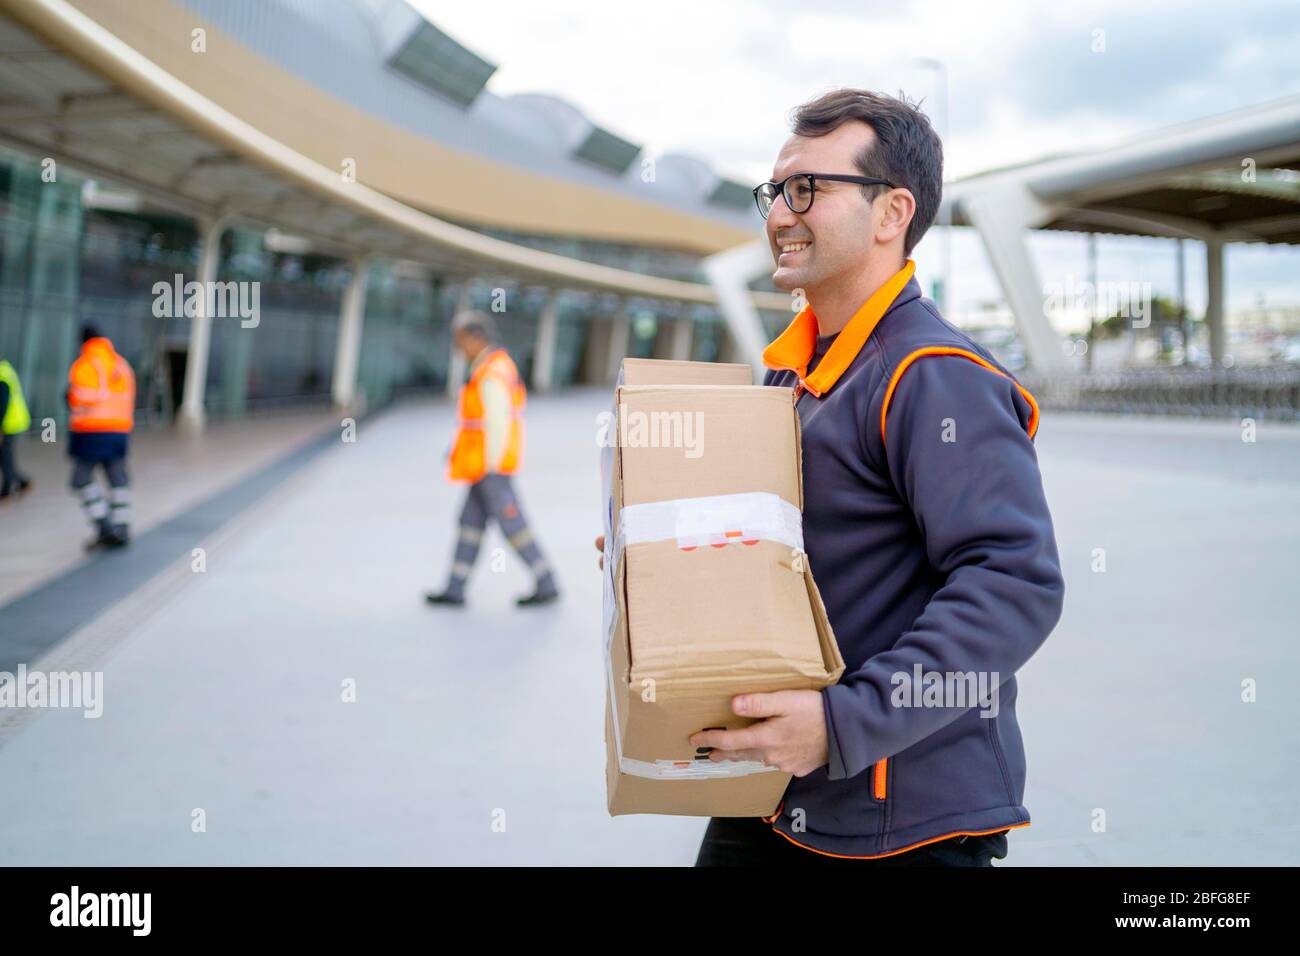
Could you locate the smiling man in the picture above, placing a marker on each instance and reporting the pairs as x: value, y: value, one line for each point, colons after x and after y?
x: 925, y: 521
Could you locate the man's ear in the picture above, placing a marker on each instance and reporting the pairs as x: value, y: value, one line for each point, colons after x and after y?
x: 900, y: 207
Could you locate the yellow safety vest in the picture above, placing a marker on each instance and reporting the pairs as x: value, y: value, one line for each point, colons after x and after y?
x: 17, y: 419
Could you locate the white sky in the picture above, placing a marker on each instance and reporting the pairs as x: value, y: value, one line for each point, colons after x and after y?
x: 1025, y: 79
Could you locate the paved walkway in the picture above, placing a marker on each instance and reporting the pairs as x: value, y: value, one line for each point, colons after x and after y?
x: 45, y: 530
x: 223, y: 690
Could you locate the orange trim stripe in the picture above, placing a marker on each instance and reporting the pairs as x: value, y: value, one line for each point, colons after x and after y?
x: 100, y: 425
x: 876, y: 856
x: 948, y: 350
x: 879, y: 778
x: 792, y: 350
x: 772, y: 818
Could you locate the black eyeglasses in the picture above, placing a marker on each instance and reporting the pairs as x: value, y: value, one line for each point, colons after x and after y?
x: 800, y: 188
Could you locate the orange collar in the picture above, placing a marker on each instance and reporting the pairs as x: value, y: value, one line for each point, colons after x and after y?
x: 793, y: 349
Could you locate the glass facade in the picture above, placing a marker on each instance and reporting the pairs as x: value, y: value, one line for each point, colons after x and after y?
x: 40, y: 253
x: 72, y: 254
x: 406, y: 338
x: 123, y: 255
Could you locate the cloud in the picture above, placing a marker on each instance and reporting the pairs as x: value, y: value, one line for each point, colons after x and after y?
x: 718, y: 79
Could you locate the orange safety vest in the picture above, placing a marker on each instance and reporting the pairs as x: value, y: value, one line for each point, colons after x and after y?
x: 468, y: 460
x: 101, y: 390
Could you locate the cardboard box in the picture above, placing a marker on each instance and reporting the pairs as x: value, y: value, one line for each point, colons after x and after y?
x: 707, y: 591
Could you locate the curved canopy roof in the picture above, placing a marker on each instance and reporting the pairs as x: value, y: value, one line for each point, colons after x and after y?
x: 1232, y: 177
x: 114, y: 88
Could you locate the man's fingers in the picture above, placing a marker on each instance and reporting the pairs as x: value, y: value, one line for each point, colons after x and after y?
x: 760, y: 705
x: 719, y: 755
x: 744, y: 739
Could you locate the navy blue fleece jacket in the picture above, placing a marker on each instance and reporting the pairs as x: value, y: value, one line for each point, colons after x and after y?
x: 928, y: 533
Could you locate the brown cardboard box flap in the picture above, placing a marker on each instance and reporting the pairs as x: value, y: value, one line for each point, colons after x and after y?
x: 667, y: 372
x: 684, y: 441
x: 746, y: 609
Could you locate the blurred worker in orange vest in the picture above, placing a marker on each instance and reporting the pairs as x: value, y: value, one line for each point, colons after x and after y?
x: 488, y: 449
x: 101, y: 404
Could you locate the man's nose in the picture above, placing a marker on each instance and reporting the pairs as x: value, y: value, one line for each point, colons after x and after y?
x: 780, y: 216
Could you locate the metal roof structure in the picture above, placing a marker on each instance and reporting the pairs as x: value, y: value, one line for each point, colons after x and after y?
x: 361, y: 129
x: 1223, y: 179
x: 87, y: 84
x: 1231, y: 177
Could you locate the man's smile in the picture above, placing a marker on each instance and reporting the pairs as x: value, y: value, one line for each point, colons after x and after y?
x: 791, y: 249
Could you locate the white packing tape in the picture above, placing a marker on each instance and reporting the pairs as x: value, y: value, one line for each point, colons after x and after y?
x: 713, y: 521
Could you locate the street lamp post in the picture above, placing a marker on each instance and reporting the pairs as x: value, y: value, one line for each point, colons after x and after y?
x: 945, y: 217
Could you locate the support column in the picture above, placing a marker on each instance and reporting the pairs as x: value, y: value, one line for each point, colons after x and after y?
x: 728, y: 351
x: 662, y: 346
x: 1002, y: 217
x: 1092, y: 314
x: 456, y: 361
x: 591, y: 371
x: 191, y: 417
x: 683, y: 331
x: 347, y: 351
x: 729, y: 273
x: 1214, y: 299
x: 1184, y: 320
x: 620, y: 332
x: 544, y: 350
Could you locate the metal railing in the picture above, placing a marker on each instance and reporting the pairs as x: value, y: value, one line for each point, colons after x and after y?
x: 1261, y: 392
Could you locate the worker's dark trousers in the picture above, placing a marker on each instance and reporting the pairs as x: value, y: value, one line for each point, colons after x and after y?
x: 113, y: 513
x: 11, y: 479
x: 493, y: 497
x: 748, y: 841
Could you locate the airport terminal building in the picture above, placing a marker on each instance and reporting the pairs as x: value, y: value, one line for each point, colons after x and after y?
x: 342, y: 164
x: 340, y: 167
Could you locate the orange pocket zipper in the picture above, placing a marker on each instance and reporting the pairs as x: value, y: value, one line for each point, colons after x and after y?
x: 879, y: 778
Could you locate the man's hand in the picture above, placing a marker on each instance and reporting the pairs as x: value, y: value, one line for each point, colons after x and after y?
x: 791, y: 737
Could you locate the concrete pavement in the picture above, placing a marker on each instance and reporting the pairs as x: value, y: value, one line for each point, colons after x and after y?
x: 475, y: 736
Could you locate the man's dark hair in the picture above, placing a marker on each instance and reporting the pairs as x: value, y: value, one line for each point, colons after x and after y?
x: 907, y: 151
x: 89, y: 332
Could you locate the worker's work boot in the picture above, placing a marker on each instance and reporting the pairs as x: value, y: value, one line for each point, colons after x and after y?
x: 445, y: 599
x: 539, y: 596
x: 106, y: 538
x: 20, y: 488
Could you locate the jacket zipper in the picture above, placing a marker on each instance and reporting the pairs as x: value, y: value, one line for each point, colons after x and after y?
x: 879, y: 772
